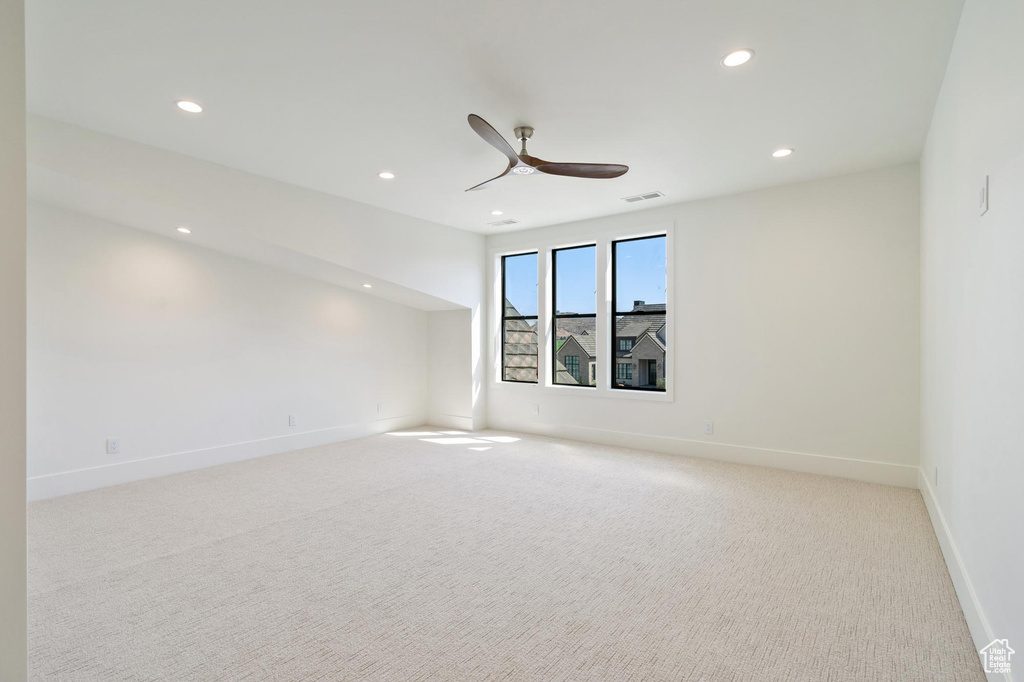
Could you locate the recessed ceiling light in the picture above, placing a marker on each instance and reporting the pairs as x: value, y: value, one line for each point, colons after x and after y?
x: 497, y: 212
x: 779, y: 153
x: 190, y: 107
x: 184, y: 230
x: 386, y: 175
x: 737, y: 57
x: 367, y: 286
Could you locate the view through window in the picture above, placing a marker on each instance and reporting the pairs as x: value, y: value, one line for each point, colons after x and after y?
x: 639, y: 342
x: 519, y: 318
x: 574, y: 289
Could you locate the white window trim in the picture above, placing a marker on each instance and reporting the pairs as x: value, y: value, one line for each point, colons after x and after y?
x: 544, y: 247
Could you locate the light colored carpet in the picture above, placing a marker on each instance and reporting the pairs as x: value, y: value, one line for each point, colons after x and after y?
x: 393, y: 558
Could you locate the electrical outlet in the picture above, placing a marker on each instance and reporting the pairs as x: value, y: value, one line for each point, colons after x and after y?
x: 113, y: 446
x: 709, y: 427
x: 293, y: 420
x: 380, y: 408
x: 536, y: 409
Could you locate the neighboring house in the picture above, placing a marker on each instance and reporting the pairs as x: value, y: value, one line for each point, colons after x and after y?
x: 640, y: 348
x: 576, y: 361
x: 639, y: 352
x: 520, y: 347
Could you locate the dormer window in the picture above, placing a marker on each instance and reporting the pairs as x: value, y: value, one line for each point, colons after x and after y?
x: 625, y: 344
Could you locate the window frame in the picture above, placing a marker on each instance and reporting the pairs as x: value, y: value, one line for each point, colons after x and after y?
x: 544, y: 242
x: 615, y: 314
x: 555, y: 316
x: 505, y: 318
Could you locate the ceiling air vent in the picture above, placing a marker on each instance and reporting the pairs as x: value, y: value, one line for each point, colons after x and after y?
x: 642, y: 197
x: 504, y: 223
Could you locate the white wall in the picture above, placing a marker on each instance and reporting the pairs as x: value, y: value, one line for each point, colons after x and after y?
x: 450, y: 369
x: 192, y: 357
x: 796, y: 331
x: 412, y: 261
x: 973, y: 320
x: 149, y: 188
x: 12, y: 341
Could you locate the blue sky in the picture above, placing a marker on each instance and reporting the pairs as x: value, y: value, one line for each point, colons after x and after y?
x: 521, y: 282
x: 641, y: 276
x: 640, y: 273
x: 577, y: 280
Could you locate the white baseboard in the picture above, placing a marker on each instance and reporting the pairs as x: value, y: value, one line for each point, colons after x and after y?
x: 981, y: 631
x: 858, y: 469
x: 79, y: 480
x: 452, y: 421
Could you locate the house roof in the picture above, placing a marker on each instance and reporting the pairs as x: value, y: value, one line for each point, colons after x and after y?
x: 520, y: 347
x: 649, y: 308
x: 585, y: 341
x: 635, y: 327
x: 650, y: 337
x: 510, y: 310
x: 574, y: 326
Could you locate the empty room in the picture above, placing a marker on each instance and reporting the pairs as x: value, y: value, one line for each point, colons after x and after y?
x: 542, y: 341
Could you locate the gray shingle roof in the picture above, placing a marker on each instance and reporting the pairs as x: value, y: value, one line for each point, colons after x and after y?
x: 587, y: 342
x: 635, y: 327
x: 520, y: 347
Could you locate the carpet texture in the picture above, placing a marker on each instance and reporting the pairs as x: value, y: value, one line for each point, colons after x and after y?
x: 516, y: 558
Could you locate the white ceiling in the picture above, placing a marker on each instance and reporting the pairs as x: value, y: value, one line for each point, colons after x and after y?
x: 324, y: 94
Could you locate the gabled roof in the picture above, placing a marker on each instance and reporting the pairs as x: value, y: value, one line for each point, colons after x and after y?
x: 635, y: 327
x: 653, y: 338
x: 510, y: 310
x: 586, y: 342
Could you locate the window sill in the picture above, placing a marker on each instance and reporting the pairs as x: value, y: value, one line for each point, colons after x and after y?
x: 592, y: 391
x: 570, y: 387
x: 665, y: 396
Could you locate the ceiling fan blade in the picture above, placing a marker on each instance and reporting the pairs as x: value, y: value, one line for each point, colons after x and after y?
x: 493, y: 138
x: 583, y: 170
x: 487, y: 182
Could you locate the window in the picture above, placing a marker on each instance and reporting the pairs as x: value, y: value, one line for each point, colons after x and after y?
x: 574, y: 321
x: 519, y: 318
x: 572, y: 366
x: 639, y: 313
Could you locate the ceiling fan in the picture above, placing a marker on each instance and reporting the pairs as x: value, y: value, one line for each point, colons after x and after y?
x: 524, y: 164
